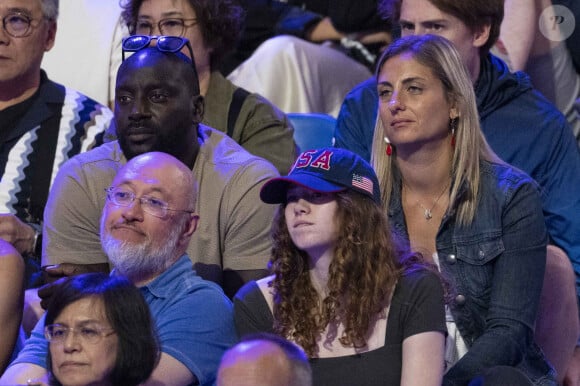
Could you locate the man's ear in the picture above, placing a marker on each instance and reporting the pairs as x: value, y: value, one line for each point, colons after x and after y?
x: 188, y: 229
x: 191, y: 225
x: 50, y: 35
x: 481, y: 35
x: 197, y: 107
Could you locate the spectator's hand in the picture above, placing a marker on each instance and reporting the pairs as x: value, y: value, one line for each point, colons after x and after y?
x: 572, y: 377
x: 46, y: 291
x: 17, y: 233
x: 56, y: 271
x: 381, y: 37
x: 322, y: 31
x: 55, y: 274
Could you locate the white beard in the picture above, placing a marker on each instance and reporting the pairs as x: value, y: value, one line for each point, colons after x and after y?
x: 139, y: 260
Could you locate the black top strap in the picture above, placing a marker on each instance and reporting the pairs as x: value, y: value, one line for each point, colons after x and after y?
x: 238, y: 99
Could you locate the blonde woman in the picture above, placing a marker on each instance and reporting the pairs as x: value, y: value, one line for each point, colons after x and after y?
x: 479, y: 219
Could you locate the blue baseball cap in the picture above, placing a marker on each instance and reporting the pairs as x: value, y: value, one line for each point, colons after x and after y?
x: 326, y: 170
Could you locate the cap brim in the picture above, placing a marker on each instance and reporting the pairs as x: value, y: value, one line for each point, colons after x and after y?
x: 274, y: 191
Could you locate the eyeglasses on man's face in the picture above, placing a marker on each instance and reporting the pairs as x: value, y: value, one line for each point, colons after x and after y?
x: 151, y: 205
x: 18, y: 24
x: 90, y: 333
x: 172, y: 26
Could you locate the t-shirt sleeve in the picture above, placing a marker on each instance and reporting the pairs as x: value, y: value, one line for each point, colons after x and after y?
x: 423, y: 309
x: 266, y: 132
x: 71, y: 217
x: 197, y: 330
x: 36, y: 348
x: 251, y: 311
x: 247, y: 221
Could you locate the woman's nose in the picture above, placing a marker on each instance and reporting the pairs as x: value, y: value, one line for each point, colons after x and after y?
x: 395, y: 103
x: 71, y: 342
x: 301, y: 206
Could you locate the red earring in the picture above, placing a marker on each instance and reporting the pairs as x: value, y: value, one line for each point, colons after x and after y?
x: 389, y: 147
x: 453, y: 124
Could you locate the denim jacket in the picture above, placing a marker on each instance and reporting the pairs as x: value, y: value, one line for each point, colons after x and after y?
x: 495, y: 267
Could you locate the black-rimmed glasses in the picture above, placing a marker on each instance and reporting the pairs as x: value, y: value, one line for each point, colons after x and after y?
x: 172, y: 26
x: 18, y: 25
x: 154, y: 206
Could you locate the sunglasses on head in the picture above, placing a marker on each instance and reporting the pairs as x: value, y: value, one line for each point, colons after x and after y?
x: 164, y: 44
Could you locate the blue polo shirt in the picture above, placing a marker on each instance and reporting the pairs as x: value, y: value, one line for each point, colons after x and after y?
x: 193, y: 317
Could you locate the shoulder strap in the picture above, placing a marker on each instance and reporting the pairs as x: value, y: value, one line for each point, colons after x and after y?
x: 238, y: 100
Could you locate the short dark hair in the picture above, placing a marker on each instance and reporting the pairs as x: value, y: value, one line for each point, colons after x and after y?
x: 128, y: 314
x: 473, y: 13
x: 220, y: 22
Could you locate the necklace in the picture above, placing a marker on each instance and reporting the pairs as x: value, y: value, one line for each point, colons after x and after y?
x: 428, y: 212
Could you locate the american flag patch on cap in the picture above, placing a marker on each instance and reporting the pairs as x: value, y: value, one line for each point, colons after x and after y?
x: 363, y: 183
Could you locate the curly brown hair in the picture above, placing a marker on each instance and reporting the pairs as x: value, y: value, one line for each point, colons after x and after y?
x: 362, y: 275
x: 220, y: 22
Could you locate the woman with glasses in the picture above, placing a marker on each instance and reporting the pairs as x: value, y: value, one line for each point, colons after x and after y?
x: 100, y: 333
x: 212, y: 28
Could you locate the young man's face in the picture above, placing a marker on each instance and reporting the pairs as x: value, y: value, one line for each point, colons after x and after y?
x: 421, y: 17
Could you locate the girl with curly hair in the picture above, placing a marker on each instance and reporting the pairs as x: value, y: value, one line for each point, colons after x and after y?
x: 365, y: 312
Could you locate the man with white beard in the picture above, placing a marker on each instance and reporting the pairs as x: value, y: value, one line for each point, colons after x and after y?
x: 142, y: 249
x: 146, y: 225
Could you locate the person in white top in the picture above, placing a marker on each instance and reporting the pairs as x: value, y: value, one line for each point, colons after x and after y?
x: 87, y: 53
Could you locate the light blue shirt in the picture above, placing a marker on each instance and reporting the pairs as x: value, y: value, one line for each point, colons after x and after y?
x: 193, y: 317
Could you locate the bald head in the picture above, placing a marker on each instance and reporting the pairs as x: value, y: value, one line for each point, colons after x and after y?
x: 264, y: 361
x: 149, y: 218
x: 162, y: 169
x: 180, y: 63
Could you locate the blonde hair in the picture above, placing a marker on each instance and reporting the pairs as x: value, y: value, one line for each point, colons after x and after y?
x: 439, y: 55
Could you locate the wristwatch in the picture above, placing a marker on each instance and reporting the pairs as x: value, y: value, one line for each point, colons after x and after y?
x: 37, y: 245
